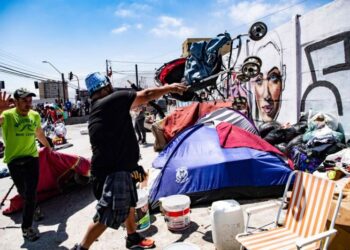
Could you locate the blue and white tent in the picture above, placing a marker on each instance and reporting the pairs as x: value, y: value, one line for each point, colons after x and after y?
x: 195, y: 164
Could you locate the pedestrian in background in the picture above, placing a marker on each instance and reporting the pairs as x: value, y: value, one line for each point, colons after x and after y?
x: 115, y: 150
x: 68, y: 106
x: 78, y: 105
x: 86, y: 107
x: 20, y: 127
x: 140, y: 125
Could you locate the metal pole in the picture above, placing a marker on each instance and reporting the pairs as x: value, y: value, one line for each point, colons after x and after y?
x: 78, y: 86
x: 63, y: 84
x: 58, y: 92
x: 7, y: 194
x: 137, y: 76
x: 78, y: 82
x: 106, y: 67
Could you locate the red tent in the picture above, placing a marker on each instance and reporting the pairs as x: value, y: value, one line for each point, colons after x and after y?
x: 184, y: 117
x: 56, y: 169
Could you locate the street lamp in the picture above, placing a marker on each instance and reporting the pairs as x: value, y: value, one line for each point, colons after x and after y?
x: 63, y: 82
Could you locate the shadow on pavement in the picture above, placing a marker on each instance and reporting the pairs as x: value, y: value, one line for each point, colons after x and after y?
x: 56, y: 212
x: 40, y: 244
x: 208, y: 236
x: 187, y: 232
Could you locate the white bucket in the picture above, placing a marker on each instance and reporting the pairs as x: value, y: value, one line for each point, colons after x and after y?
x: 181, y: 246
x: 142, y: 217
x: 177, y: 212
x: 227, y: 221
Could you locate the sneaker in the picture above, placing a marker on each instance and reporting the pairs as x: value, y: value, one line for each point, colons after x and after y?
x: 30, y: 234
x: 137, y: 241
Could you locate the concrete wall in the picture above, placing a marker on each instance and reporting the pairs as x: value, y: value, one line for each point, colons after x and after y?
x: 77, y: 120
x: 311, y: 54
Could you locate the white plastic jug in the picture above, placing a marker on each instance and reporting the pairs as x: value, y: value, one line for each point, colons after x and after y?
x: 227, y: 221
x: 176, y: 210
x: 142, y: 217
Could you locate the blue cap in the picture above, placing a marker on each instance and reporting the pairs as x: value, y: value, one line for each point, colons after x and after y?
x: 95, y: 81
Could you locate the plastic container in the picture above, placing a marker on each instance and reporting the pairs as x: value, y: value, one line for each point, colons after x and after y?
x: 176, y: 210
x: 142, y: 217
x: 227, y: 221
x: 181, y: 246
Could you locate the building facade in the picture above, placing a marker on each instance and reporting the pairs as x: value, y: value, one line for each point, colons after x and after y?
x: 53, y: 89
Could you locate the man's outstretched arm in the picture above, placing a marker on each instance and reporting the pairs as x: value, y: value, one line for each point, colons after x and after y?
x: 146, y: 95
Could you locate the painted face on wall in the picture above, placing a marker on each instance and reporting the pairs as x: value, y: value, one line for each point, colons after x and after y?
x: 268, y: 86
x: 268, y: 90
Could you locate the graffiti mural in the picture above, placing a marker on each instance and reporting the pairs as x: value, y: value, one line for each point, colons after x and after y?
x: 269, y: 84
x: 340, y: 40
x: 306, y: 66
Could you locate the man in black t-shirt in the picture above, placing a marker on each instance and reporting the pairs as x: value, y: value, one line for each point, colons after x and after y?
x: 115, y: 151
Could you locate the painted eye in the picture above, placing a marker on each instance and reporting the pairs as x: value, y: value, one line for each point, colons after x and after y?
x: 274, y: 78
x: 258, y: 81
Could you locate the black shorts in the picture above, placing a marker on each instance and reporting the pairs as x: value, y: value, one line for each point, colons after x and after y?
x: 115, y: 195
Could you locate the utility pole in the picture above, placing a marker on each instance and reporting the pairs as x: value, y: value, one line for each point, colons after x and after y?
x: 106, y: 67
x: 137, y: 76
x: 78, y: 86
x: 58, y: 92
x: 77, y: 91
x: 63, y: 83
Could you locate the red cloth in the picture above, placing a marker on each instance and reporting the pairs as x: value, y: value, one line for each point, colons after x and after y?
x: 231, y: 136
x: 52, y: 113
x: 55, y: 170
x: 187, y: 116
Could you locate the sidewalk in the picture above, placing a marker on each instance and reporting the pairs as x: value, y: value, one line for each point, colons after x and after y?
x: 68, y: 215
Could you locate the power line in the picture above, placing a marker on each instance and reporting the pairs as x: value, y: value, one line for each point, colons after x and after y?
x: 21, y: 74
x: 14, y: 59
x: 8, y: 66
x: 165, y: 54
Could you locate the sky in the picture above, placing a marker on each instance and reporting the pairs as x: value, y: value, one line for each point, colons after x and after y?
x: 80, y: 35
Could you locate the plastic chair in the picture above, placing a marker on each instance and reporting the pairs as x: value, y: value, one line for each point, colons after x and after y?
x: 306, y: 217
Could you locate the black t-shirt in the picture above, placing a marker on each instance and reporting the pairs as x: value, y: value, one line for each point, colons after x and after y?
x: 112, y: 136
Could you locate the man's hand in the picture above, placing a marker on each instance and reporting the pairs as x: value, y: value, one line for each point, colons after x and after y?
x: 177, y: 88
x: 4, y: 101
x: 139, y: 174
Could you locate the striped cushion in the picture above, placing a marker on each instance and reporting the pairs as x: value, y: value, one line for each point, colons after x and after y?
x: 306, y: 216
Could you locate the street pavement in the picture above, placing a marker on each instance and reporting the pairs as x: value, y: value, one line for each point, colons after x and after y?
x: 67, y: 216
